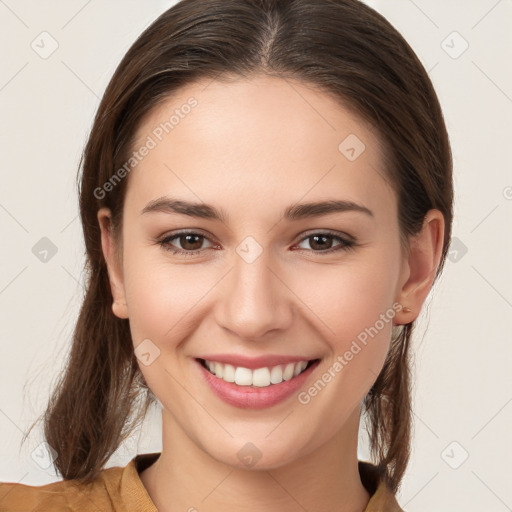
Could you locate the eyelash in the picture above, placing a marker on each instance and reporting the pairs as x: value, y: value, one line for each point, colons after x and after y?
x: 345, y: 245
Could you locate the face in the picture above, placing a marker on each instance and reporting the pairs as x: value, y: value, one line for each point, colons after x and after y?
x: 259, y: 272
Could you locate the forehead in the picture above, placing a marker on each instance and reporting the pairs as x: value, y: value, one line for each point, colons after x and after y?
x: 265, y: 135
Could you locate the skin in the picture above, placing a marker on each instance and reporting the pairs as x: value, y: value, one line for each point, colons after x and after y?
x: 252, y: 147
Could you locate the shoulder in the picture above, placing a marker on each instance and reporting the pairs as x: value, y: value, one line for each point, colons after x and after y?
x: 115, y: 489
x: 67, y: 495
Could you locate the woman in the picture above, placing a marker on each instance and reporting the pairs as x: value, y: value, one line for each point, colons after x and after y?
x: 266, y: 199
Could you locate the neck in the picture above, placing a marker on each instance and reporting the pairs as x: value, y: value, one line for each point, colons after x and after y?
x: 186, y: 478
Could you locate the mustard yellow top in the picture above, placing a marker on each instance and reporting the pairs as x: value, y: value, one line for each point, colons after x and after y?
x: 119, y: 489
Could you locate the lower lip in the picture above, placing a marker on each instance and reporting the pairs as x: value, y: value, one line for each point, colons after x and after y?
x: 250, y: 397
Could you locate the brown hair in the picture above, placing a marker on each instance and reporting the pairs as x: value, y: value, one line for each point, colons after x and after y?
x: 342, y: 47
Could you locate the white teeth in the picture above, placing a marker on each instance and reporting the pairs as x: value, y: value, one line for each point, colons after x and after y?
x: 243, y: 376
x: 299, y: 367
x: 288, y: 371
x: 229, y: 373
x: 261, y: 377
x: 219, y: 369
x: 276, y: 375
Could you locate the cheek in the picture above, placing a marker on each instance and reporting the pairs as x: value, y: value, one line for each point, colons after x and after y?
x: 164, y: 299
x: 353, y: 309
x: 359, y: 314
x: 347, y: 300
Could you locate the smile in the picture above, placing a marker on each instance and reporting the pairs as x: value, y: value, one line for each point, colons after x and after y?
x: 258, y: 377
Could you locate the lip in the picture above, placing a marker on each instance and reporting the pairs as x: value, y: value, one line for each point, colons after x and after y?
x: 249, y: 397
x: 252, y: 363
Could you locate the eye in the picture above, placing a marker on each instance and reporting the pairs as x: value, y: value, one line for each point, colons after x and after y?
x: 322, y: 242
x: 190, y: 242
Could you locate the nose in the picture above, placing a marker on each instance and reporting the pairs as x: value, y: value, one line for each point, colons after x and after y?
x: 254, y: 299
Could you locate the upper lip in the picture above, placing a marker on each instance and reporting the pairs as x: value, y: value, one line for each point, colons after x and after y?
x: 254, y: 362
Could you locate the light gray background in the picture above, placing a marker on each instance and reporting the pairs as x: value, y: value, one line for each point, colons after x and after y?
x: 463, y: 382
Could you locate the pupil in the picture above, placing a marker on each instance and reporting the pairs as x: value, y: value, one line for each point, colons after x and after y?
x: 316, y: 238
x: 195, y: 245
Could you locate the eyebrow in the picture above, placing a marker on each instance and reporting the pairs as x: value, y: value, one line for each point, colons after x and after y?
x: 294, y: 212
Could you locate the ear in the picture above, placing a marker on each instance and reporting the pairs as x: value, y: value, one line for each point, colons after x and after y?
x: 114, y: 263
x: 420, y: 266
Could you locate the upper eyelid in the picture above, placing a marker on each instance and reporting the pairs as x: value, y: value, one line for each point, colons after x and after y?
x: 175, y: 236
x: 341, y: 236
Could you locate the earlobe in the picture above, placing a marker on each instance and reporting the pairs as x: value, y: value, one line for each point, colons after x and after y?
x: 423, y: 260
x: 119, y: 309
x: 114, y: 267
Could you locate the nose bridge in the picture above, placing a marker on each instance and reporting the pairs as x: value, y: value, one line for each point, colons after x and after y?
x: 254, y: 300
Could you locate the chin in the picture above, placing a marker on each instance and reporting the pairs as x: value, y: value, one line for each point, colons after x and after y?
x: 255, y: 455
